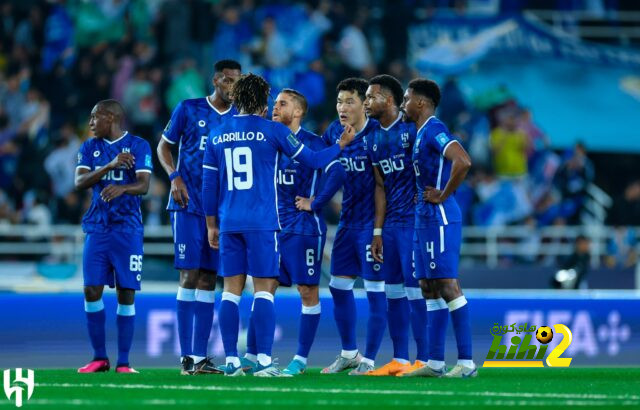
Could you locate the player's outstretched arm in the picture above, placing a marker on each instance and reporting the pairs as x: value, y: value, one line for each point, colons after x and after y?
x: 86, y: 178
x: 140, y: 187
x: 460, y: 165
x: 380, y: 198
x: 320, y: 159
x: 178, y: 187
x: 332, y: 179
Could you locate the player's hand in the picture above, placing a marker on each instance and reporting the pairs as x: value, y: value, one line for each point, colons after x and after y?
x: 214, y: 237
x: 304, y: 204
x: 347, y: 136
x: 124, y: 159
x: 179, y: 192
x: 376, y: 248
x: 111, y: 192
x: 433, y: 195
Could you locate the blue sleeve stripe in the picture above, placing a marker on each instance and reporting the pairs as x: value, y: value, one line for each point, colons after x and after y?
x: 298, y: 151
x: 164, y: 137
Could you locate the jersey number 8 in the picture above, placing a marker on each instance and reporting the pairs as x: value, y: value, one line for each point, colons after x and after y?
x: 240, y: 161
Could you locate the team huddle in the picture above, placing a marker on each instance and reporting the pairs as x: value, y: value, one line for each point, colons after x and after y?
x: 246, y: 200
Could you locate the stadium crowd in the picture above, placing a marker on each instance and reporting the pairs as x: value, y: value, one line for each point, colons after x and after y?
x: 58, y: 58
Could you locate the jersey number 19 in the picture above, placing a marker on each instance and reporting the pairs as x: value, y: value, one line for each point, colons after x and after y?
x: 239, y: 161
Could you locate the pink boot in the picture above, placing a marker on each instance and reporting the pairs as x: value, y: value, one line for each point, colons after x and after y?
x: 126, y: 369
x: 95, y: 366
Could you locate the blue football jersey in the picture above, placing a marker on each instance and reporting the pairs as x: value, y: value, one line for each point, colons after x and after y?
x: 358, y: 206
x: 391, y: 152
x: 190, y: 124
x: 121, y: 214
x: 432, y: 169
x: 295, y: 179
x: 242, y: 158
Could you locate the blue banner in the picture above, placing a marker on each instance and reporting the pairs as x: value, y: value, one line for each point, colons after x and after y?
x: 49, y: 330
x: 467, y: 39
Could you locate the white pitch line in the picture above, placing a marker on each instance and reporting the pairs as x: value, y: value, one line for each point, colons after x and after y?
x: 567, y: 396
x: 320, y: 402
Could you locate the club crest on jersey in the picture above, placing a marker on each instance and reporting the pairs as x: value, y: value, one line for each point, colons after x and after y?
x: 202, y: 123
x: 96, y: 154
x: 405, y: 140
x: 442, y: 138
x: 293, y: 140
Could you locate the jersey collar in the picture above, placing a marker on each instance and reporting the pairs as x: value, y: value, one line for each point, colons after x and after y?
x: 214, y: 108
x: 298, y: 130
x: 364, y: 127
x: 113, y: 142
x: 425, y: 123
x: 393, y: 123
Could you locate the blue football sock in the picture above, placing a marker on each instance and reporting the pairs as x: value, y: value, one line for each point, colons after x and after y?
x: 344, y: 311
x: 264, y: 314
x: 309, y: 320
x: 437, y: 321
x: 377, y: 323
x: 229, y: 322
x: 185, y: 307
x: 95, y: 325
x: 461, y: 326
x: 125, y: 320
x: 398, y: 317
x: 204, y: 321
x: 419, y: 327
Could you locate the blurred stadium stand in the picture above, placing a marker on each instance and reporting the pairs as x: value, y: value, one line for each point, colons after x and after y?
x: 555, y: 82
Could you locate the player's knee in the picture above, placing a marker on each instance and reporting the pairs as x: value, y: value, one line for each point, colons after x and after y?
x: 309, y: 295
x: 449, y: 289
x: 429, y: 290
x: 189, y: 278
x: 126, y: 296
x: 207, y: 280
x: 92, y: 293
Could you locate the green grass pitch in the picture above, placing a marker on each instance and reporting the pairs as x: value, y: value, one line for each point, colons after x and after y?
x: 156, y: 388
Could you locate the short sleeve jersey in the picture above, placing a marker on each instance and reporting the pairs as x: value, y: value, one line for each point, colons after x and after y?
x: 392, y: 153
x: 432, y: 169
x: 295, y: 179
x: 121, y: 214
x: 189, y: 127
x: 358, y: 206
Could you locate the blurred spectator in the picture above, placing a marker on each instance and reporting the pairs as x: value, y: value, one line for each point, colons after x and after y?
x: 60, y: 164
x: 141, y: 103
x: 509, y: 145
x: 186, y: 83
x: 353, y: 45
x: 574, y: 269
x: 572, y: 180
x: 622, y: 248
x: 626, y: 207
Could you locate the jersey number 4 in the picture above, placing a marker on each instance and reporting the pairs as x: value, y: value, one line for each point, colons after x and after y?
x: 239, y: 161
